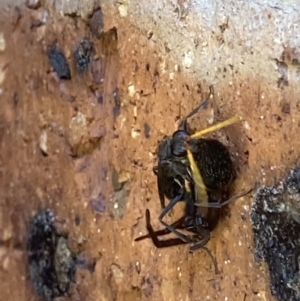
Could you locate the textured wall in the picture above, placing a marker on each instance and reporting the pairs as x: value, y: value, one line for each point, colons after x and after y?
x: 216, y: 40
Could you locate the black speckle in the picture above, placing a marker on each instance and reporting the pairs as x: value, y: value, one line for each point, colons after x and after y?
x: 147, y: 66
x: 147, y: 286
x: 286, y: 108
x: 283, y: 71
x: 77, y: 220
x: 15, y: 99
x: 277, y: 117
x: 117, y: 100
x: 86, y: 263
x: 96, y: 22
x: 117, y: 186
x: 59, y: 63
x: 51, y: 263
x: 98, y: 203
x: 83, y: 54
x: 147, y: 130
x: 100, y: 99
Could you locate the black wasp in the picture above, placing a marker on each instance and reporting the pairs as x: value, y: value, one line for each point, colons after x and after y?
x: 195, y: 170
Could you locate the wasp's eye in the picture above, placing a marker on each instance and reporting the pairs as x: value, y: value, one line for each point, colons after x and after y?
x: 178, y: 147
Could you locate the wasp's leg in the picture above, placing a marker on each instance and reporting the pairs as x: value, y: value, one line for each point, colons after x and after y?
x: 217, y: 271
x: 222, y: 204
x: 172, y: 203
x: 202, y: 232
x: 169, y: 242
x: 178, y: 225
x: 183, y: 123
x: 205, y: 234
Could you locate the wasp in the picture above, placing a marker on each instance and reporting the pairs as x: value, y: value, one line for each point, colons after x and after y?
x: 198, y: 171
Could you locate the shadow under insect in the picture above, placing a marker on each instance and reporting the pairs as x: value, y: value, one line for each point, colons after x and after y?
x: 199, y: 172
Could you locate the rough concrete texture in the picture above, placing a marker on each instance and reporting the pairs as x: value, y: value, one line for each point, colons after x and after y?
x: 216, y: 40
x: 275, y: 220
x: 85, y: 147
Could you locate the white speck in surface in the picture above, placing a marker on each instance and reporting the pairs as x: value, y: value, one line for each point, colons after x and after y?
x: 246, y: 125
x: 123, y: 9
x: 240, y: 243
x: 188, y: 59
x: 246, y: 207
x: 135, y: 111
x: 135, y: 133
x: 2, y: 42
x: 2, y: 76
x: 43, y: 142
x: 211, y: 117
x: 116, y: 205
x: 131, y: 90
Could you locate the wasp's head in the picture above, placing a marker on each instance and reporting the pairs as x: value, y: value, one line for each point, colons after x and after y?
x: 178, y: 143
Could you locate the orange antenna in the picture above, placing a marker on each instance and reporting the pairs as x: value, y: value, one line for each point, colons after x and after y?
x: 216, y: 127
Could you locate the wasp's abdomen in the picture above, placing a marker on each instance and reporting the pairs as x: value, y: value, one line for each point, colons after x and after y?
x: 214, y: 162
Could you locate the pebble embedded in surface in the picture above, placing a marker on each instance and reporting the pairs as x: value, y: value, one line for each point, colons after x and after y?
x: 59, y: 63
x: 43, y: 142
x: 33, y: 4
x: 131, y: 90
x: 188, y: 59
x: 123, y: 9
x: 118, y: 275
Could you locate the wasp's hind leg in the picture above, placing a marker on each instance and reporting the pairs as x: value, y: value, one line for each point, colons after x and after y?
x: 183, y: 239
x: 222, y: 204
x: 178, y: 225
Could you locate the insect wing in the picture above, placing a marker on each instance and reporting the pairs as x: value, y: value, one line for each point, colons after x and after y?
x: 161, y: 179
x: 200, y: 187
